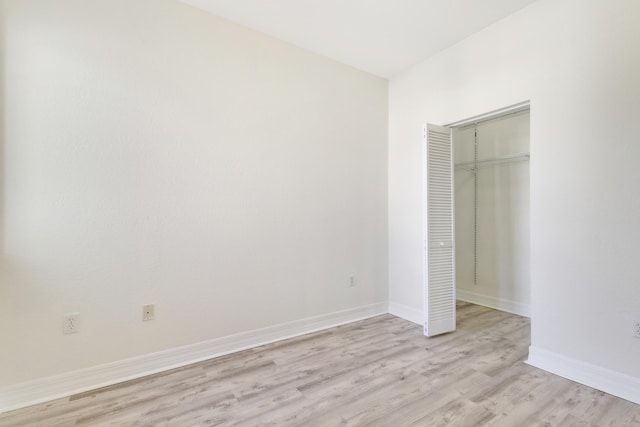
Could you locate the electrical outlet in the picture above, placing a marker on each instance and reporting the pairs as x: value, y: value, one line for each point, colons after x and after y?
x: 636, y: 329
x: 71, y: 323
x: 352, y: 281
x: 148, y: 312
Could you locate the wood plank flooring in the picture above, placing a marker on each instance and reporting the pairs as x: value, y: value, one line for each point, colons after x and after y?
x: 377, y: 372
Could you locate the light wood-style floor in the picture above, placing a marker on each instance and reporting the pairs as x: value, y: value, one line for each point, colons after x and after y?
x: 377, y: 372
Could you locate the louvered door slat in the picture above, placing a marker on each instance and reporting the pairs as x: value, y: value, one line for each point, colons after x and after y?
x: 440, y: 304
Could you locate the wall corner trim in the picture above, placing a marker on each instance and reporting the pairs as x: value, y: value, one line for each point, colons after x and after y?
x: 45, y: 389
x: 407, y: 313
x: 612, y: 382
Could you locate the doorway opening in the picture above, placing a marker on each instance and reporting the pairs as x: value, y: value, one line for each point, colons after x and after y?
x: 491, y: 204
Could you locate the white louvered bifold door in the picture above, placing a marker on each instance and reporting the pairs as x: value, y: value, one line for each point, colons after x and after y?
x: 440, y: 299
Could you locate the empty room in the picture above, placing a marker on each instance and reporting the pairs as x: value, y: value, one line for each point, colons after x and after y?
x: 319, y: 213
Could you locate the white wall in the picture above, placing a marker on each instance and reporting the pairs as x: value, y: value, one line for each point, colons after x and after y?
x: 502, y: 201
x: 155, y: 153
x: 578, y: 61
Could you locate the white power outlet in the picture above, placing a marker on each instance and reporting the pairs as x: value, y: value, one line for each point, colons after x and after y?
x: 71, y: 323
x: 636, y: 329
x: 352, y: 281
x: 148, y: 312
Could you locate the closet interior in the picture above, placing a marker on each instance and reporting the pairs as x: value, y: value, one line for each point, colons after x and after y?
x: 491, y: 196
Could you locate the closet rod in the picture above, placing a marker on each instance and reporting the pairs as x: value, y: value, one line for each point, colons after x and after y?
x: 495, y: 161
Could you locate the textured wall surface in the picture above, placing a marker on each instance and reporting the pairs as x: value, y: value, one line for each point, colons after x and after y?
x: 153, y: 153
x: 578, y: 63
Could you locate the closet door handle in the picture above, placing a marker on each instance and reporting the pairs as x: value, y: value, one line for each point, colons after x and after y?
x: 441, y: 244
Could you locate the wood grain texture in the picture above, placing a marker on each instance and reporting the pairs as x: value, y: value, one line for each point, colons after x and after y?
x: 377, y: 372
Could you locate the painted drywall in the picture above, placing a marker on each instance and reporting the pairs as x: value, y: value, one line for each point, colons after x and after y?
x: 501, y: 250
x: 578, y: 62
x: 153, y: 153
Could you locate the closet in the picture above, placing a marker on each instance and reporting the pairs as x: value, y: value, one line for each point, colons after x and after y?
x: 491, y: 205
x: 476, y: 216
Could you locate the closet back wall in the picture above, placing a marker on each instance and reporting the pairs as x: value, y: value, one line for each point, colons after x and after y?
x: 502, y: 199
x: 154, y: 153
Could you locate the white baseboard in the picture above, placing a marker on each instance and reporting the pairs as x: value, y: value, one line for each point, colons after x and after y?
x: 492, y: 302
x: 407, y: 313
x: 612, y: 382
x: 42, y: 390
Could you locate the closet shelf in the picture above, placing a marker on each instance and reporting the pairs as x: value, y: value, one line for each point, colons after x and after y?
x: 472, y: 166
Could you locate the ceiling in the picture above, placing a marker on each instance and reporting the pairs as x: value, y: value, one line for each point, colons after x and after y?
x: 382, y: 37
